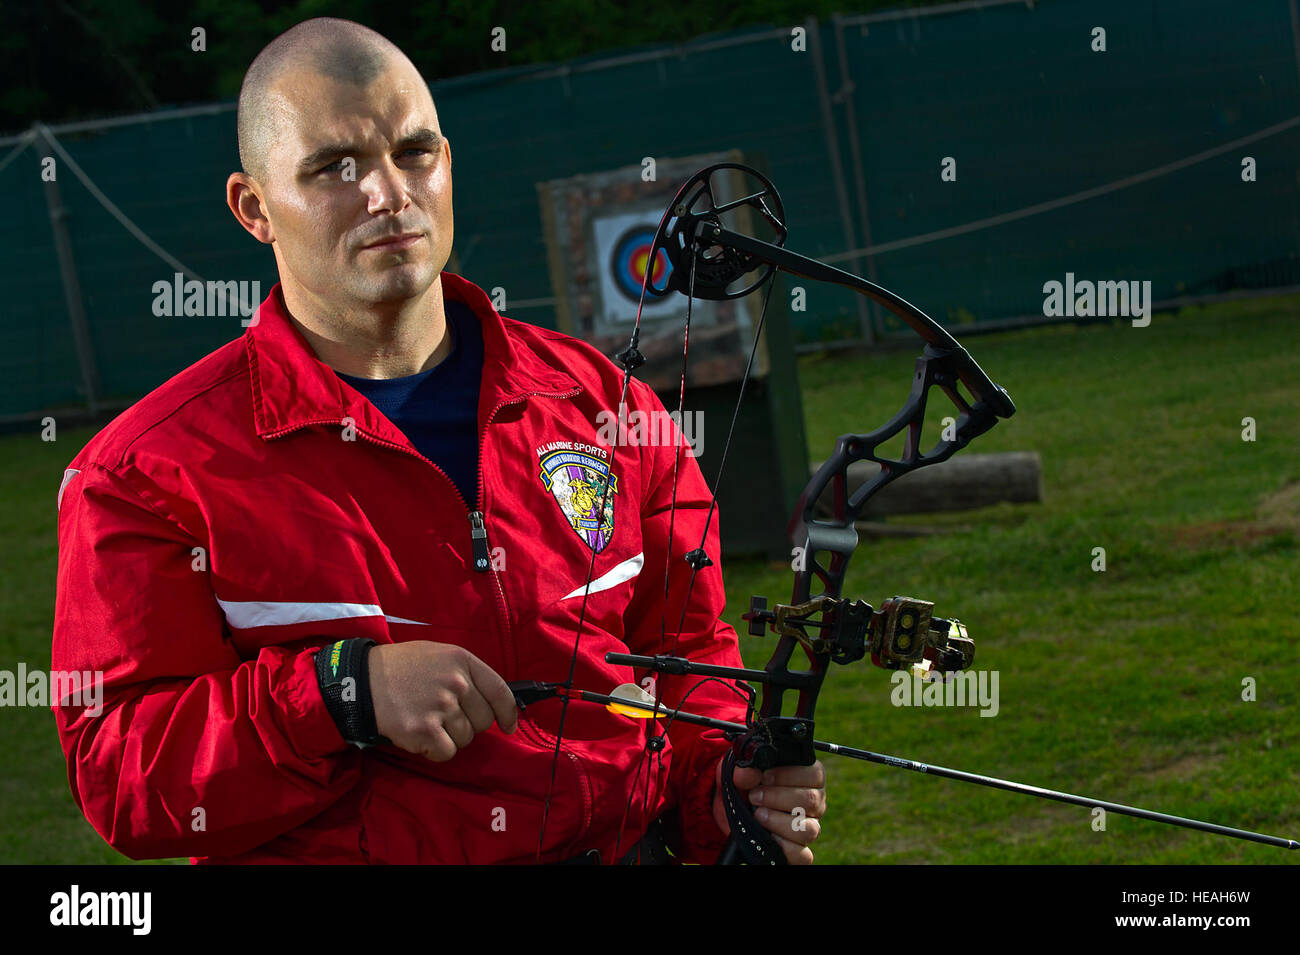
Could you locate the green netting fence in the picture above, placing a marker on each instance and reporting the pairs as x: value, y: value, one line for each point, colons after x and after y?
x: 1124, y: 165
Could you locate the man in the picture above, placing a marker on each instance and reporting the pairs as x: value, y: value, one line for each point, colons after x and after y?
x: 308, y: 564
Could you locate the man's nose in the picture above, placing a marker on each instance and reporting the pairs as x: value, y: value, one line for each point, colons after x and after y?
x: 385, y: 188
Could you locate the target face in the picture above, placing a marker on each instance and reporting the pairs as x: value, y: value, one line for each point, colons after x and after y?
x: 629, y: 259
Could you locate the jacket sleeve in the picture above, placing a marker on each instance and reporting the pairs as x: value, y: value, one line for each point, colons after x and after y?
x: 186, y: 749
x: 703, y: 636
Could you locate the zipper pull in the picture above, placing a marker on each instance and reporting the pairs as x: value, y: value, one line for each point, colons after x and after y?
x: 478, y: 538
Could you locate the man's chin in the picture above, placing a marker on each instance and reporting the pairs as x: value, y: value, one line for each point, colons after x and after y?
x: 398, y: 283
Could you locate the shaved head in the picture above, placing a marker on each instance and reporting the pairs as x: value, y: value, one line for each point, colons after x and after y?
x: 341, y: 50
x: 347, y: 176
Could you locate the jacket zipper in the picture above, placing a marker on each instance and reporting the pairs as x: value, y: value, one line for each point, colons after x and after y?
x: 478, y: 541
x: 527, y: 726
x: 503, y: 605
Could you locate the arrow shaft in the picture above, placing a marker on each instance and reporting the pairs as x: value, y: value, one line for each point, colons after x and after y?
x: 1086, y: 801
x: 992, y: 782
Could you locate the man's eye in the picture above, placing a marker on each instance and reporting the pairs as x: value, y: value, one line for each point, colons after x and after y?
x: 337, y: 165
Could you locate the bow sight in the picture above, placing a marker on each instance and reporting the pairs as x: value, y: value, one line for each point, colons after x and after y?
x: 903, y: 633
x: 711, y: 260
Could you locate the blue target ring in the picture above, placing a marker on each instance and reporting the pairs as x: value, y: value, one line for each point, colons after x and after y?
x: 628, y: 262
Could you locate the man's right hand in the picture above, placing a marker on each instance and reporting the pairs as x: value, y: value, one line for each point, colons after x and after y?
x: 433, y: 698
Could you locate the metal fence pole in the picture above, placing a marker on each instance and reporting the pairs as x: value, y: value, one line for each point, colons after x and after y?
x: 837, y: 170
x: 68, y: 272
x: 848, y: 93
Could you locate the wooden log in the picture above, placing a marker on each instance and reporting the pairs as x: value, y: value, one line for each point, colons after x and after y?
x: 962, y: 483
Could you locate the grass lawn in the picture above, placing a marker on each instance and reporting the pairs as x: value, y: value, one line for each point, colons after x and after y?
x: 1124, y: 685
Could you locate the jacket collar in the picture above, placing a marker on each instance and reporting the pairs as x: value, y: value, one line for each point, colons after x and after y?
x: 292, y: 388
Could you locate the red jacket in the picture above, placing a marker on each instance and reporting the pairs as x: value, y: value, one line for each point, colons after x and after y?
x: 216, y: 534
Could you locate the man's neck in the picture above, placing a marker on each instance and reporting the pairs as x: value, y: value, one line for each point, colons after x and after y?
x: 387, y: 341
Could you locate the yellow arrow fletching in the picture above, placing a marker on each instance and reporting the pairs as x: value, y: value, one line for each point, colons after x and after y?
x: 636, y: 713
x: 639, y: 704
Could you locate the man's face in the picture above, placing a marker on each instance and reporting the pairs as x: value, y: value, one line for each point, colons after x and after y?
x: 358, y: 187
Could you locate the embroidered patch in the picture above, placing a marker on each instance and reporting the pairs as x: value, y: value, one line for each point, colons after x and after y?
x: 577, y: 476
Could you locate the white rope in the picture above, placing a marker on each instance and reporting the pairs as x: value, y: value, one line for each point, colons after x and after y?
x: 1071, y: 199
x: 880, y: 248
x: 1037, y: 208
x: 232, y: 305
x: 113, y: 210
x: 24, y: 141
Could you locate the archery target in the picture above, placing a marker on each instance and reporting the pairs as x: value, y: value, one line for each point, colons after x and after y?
x: 629, y: 260
x: 622, y: 250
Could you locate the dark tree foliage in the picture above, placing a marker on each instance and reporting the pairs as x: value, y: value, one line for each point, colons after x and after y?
x: 63, y: 60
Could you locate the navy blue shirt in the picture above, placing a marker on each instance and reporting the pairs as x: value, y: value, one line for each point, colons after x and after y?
x: 438, y: 409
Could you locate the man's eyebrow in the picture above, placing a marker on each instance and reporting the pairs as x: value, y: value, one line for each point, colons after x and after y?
x: 328, y: 152
x: 425, y: 137
x: 421, y: 137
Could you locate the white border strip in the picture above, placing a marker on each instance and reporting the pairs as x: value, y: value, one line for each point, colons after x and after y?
x: 246, y: 614
x: 621, y: 572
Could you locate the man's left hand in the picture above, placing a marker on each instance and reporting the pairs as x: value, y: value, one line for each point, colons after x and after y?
x: 788, y: 802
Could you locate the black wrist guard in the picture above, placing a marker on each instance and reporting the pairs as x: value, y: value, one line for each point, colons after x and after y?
x: 343, y: 671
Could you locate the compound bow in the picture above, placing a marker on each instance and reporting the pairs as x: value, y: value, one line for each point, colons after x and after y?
x: 710, y: 261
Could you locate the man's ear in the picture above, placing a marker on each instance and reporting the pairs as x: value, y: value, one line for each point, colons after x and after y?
x: 244, y: 197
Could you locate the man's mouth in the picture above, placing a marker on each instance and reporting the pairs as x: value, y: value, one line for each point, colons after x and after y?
x: 394, y: 243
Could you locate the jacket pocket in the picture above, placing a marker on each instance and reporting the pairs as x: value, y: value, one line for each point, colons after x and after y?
x: 485, y: 805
